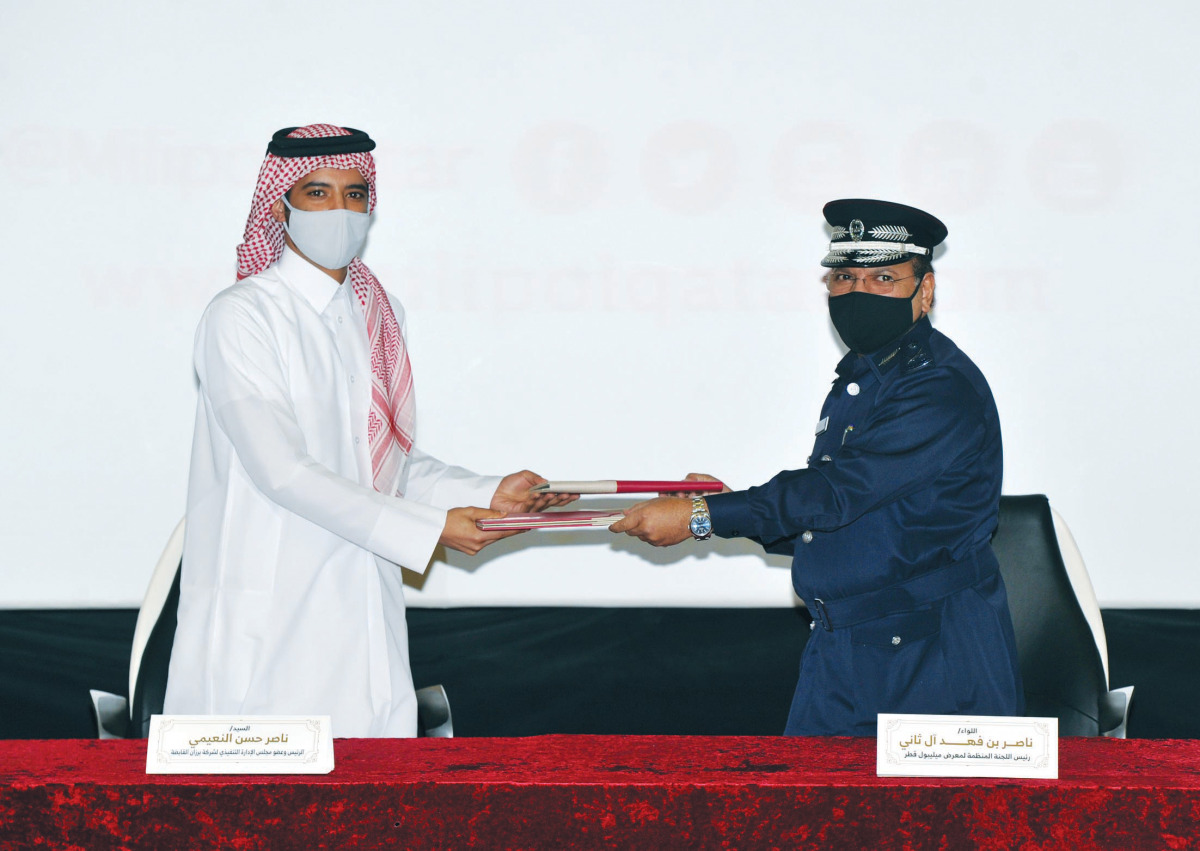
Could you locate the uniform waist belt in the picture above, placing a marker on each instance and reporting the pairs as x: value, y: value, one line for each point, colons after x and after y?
x: 905, y: 596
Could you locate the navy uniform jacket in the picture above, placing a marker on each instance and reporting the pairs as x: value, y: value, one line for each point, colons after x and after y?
x: 890, y: 528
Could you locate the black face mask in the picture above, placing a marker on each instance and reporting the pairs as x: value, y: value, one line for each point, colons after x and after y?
x: 867, y: 322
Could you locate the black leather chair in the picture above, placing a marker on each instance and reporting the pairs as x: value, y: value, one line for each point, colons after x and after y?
x: 154, y: 635
x: 1061, y: 648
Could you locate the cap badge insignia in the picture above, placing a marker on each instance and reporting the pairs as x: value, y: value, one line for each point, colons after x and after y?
x: 896, y: 233
x: 857, y: 229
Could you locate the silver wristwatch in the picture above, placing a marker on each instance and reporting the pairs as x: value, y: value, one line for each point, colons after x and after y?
x: 701, y: 522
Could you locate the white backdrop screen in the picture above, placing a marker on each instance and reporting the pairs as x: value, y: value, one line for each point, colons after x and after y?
x: 604, y: 221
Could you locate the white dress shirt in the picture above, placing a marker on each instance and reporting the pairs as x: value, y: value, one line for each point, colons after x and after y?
x: 291, y: 600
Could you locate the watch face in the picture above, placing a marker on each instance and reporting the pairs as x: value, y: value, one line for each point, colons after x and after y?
x: 701, y: 526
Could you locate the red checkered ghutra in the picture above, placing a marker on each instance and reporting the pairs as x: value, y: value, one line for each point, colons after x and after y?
x: 391, y: 420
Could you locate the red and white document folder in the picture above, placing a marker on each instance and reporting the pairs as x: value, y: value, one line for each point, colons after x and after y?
x: 628, y: 486
x: 551, y: 520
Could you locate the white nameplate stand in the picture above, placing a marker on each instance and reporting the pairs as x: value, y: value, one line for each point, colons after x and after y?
x: 967, y: 746
x: 226, y: 744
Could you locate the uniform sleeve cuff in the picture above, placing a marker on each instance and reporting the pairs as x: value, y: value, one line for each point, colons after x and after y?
x: 731, y: 515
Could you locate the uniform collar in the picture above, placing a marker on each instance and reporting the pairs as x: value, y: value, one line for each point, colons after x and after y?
x: 886, y: 359
x: 317, y: 288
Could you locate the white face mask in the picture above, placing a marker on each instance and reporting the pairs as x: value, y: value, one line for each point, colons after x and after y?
x: 329, y: 238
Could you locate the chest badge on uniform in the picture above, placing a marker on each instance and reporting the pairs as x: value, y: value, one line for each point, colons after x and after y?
x: 822, y: 426
x: 916, y: 358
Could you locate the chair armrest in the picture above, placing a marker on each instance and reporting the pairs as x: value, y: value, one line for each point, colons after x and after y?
x: 1114, y: 712
x: 433, y: 713
x: 111, y: 712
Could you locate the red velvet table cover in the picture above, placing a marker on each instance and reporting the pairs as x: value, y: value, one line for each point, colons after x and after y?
x: 598, y: 792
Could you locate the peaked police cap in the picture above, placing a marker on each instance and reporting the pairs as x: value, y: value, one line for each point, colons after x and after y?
x: 879, y: 233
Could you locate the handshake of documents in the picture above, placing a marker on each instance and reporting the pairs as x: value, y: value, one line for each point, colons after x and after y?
x: 586, y: 519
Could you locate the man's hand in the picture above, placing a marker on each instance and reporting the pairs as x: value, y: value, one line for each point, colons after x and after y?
x: 460, y: 532
x: 513, y: 496
x: 697, y: 477
x: 662, y: 522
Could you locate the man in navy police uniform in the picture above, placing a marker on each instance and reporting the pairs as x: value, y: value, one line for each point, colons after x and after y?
x: 890, y: 522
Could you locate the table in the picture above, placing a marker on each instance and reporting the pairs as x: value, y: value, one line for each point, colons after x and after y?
x: 599, y: 792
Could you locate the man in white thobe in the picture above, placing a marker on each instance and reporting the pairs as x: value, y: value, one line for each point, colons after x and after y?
x: 307, y: 492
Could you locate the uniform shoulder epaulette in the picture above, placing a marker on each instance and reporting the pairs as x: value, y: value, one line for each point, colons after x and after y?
x: 916, y: 357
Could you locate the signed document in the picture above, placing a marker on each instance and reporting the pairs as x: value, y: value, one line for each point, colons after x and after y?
x: 551, y: 520
x: 628, y: 486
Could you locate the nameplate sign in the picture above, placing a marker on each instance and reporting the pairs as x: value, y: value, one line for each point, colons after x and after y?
x: 967, y: 746
x: 224, y: 744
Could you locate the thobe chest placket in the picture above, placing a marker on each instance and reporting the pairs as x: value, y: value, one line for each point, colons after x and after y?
x: 348, y: 328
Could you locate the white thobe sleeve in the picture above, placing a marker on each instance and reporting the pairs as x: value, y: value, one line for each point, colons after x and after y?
x: 447, y: 486
x: 240, y: 371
